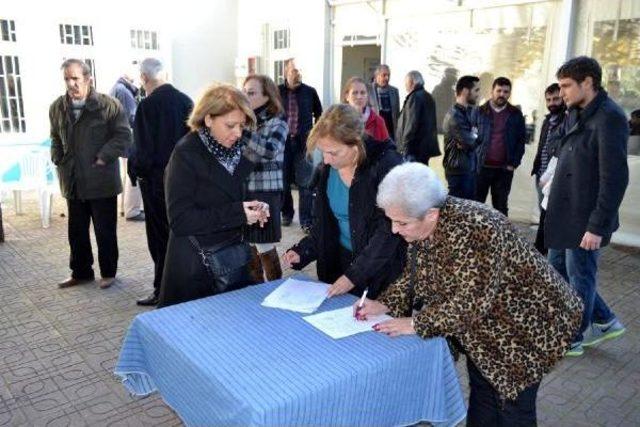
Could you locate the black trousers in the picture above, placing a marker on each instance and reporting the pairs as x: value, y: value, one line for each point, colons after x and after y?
x: 498, y: 180
x: 486, y: 408
x: 539, y: 243
x: 104, y: 215
x: 298, y: 169
x: 462, y: 186
x: 156, y: 223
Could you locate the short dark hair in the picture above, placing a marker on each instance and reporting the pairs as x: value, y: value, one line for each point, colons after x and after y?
x: 552, y: 88
x: 501, y: 81
x: 579, y: 68
x: 466, y: 82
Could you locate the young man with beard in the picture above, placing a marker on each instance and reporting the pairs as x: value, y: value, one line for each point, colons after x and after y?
x: 460, y: 140
x: 547, y: 145
x: 502, y: 134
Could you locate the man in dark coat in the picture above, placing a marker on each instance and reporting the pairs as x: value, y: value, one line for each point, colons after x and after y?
x: 89, y: 132
x: 417, y: 133
x: 161, y: 120
x: 502, y: 134
x: 302, y: 107
x: 587, y: 189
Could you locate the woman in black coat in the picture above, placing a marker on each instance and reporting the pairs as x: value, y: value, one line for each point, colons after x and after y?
x: 205, y: 187
x: 351, y: 238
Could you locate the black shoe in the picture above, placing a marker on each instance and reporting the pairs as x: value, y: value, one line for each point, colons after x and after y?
x: 286, y: 221
x: 149, y: 301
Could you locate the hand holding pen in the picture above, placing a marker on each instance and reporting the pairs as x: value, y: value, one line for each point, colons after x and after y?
x: 361, y: 304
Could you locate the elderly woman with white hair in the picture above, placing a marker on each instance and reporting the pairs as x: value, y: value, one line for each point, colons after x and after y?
x: 481, y: 285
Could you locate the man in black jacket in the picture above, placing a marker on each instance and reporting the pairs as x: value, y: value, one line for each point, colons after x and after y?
x: 460, y: 140
x: 546, y: 149
x: 302, y: 106
x: 161, y: 120
x: 588, y: 186
x: 417, y: 133
x: 502, y: 134
x: 89, y: 132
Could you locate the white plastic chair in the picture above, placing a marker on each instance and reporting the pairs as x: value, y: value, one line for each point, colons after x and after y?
x: 33, y: 176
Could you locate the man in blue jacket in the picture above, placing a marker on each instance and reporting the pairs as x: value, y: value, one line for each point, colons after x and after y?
x: 587, y: 189
x: 502, y: 134
x: 125, y: 92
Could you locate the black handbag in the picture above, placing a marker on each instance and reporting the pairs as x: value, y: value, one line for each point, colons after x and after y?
x: 226, y: 263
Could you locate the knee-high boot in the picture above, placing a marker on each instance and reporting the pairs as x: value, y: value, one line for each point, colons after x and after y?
x: 271, y: 265
x: 255, y: 266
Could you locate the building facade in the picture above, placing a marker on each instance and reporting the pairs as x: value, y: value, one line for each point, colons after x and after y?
x: 524, y: 40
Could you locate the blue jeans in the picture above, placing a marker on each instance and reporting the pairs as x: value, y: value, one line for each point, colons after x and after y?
x: 579, y: 267
x: 462, y: 186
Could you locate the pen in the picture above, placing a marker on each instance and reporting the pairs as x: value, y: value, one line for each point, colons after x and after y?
x: 361, y: 302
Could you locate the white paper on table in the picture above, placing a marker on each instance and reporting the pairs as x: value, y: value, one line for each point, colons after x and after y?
x: 297, y: 295
x: 341, y: 323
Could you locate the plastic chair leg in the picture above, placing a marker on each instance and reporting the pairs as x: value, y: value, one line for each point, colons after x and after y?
x: 45, y: 208
x: 17, y: 201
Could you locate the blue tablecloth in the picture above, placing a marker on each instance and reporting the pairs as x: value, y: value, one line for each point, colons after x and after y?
x: 226, y: 360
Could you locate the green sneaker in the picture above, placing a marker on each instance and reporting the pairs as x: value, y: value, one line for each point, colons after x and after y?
x: 601, y: 332
x: 575, y: 350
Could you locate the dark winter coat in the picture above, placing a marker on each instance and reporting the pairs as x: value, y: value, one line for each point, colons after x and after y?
x: 460, y: 141
x: 591, y: 176
x: 378, y: 254
x: 161, y: 120
x: 101, y: 131
x: 417, y: 132
x: 204, y: 201
x: 309, y: 107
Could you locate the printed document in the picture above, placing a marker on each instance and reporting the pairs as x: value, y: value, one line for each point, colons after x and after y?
x: 297, y: 295
x: 341, y: 323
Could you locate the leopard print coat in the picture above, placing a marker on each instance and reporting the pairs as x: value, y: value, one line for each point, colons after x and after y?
x: 485, y: 285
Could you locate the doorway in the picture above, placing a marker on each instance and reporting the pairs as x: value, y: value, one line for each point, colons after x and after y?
x: 360, y: 61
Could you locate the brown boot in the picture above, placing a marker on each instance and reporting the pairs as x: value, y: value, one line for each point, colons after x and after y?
x: 271, y: 265
x: 255, y: 266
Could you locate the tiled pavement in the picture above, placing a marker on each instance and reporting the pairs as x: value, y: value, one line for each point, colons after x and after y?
x: 58, y: 347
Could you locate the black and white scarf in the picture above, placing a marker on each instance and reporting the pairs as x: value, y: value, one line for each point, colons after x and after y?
x: 228, y: 157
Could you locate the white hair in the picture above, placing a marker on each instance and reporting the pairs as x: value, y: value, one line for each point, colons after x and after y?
x: 152, y: 68
x: 416, y: 77
x: 412, y: 187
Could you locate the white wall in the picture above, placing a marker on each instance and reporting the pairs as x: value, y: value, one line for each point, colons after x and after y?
x: 198, y: 42
x: 306, y: 21
x: 40, y: 51
x: 205, y: 41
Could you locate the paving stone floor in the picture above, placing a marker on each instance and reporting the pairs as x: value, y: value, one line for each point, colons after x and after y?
x: 58, y: 347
